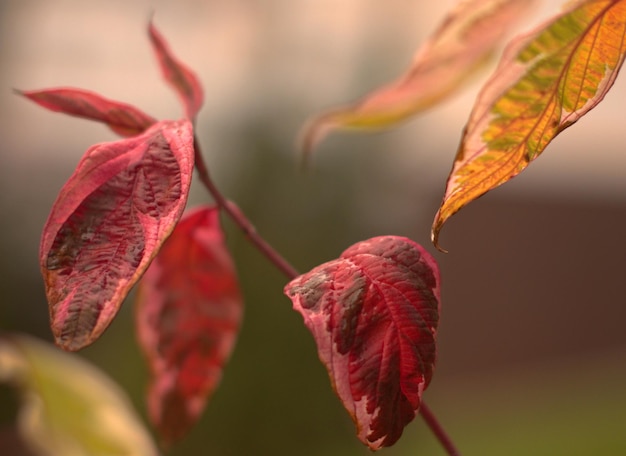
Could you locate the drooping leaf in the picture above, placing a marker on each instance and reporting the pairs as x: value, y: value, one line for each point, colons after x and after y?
x: 459, y: 46
x: 373, y: 313
x: 107, y: 224
x: 179, y: 76
x: 188, y: 313
x: 546, y: 81
x: 123, y: 119
x: 70, y: 407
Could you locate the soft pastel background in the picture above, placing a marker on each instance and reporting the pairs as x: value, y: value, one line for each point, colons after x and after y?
x: 533, y: 346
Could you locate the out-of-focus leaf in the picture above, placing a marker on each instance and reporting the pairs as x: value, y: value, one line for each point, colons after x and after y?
x: 546, y: 81
x: 188, y: 313
x: 461, y: 44
x: 179, y: 76
x: 373, y: 313
x: 123, y: 119
x: 107, y: 224
x: 69, y: 407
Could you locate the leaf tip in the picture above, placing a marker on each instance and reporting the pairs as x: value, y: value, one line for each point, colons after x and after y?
x: 311, y: 135
x: 181, y: 78
x: 68, y: 345
x: 434, y: 233
x: 152, y: 31
x: 68, y: 342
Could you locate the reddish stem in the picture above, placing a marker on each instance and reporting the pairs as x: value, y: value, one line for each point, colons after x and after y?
x: 290, y: 272
x: 240, y: 219
x: 438, y: 430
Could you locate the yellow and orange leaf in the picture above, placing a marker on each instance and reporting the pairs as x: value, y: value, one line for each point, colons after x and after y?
x: 547, y: 80
x: 461, y: 44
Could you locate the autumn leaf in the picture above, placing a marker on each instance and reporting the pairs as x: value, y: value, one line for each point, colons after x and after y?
x: 373, y: 313
x: 123, y: 119
x: 460, y: 45
x: 188, y: 313
x: 180, y: 77
x: 107, y: 224
x: 546, y: 81
x: 68, y: 406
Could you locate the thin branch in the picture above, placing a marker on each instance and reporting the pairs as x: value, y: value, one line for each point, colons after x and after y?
x: 438, y: 430
x: 240, y: 219
x: 291, y: 273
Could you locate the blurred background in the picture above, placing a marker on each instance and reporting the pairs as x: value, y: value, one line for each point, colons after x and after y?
x: 532, y: 339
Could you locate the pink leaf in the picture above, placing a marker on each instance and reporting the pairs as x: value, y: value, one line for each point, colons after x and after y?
x: 123, y: 119
x: 179, y: 76
x: 188, y: 313
x: 373, y: 313
x: 460, y: 45
x: 107, y: 224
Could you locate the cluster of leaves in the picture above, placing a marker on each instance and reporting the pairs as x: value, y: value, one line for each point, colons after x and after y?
x: 118, y: 221
x: 546, y: 80
x: 107, y: 230
x: 373, y: 312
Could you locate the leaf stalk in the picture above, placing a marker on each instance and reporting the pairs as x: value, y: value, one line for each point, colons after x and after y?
x: 437, y: 429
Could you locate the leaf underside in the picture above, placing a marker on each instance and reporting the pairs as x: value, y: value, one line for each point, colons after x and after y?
x: 108, y: 222
x: 546, y: 81
x: 373, y: 313
x: 189, y: 310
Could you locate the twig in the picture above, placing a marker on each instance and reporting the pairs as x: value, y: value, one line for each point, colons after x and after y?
x: 290, y: 272
x: 438, y: 430
x: 240, y: 219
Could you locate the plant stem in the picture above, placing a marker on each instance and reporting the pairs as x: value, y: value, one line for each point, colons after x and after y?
x: 438, y: 430
x: 240, y: 219
x: 290, y: 272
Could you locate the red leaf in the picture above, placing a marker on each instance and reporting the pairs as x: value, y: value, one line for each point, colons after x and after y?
x: 123, y: 119
x: 373, y: 313
x: 107, y: 224
x: 179, y: 76
x: 188, y: 313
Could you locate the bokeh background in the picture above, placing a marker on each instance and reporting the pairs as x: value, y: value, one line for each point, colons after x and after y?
x: 532, y: 339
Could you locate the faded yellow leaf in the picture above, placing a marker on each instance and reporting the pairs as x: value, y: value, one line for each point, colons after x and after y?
x: 463, y: 41
x: 547, y: 79
x: 69, y: 407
